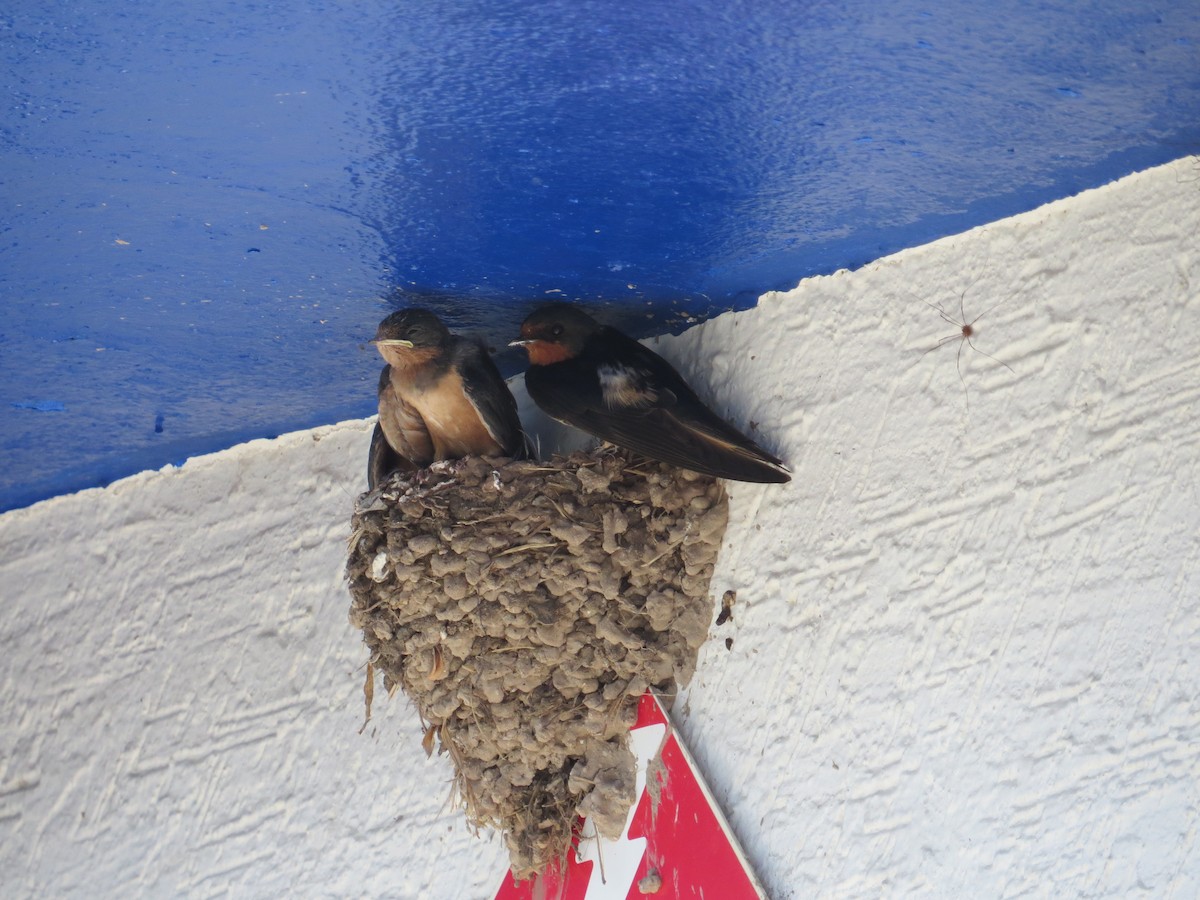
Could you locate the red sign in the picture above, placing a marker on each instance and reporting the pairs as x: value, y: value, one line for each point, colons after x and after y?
x: 680, y: 847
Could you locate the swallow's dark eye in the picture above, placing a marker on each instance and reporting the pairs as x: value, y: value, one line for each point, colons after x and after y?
x: 556, y: 331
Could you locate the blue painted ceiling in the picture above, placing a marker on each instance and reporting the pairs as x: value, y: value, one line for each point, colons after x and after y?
x: 208, y: 207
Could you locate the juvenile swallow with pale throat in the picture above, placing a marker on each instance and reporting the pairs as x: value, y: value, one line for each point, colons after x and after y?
x: 440, y: 397
x: 603, y: 382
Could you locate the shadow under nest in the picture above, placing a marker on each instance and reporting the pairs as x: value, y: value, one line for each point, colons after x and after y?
x: 525, y: 607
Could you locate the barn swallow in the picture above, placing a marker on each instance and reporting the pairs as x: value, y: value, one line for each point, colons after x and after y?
x: 603, y: 382
x: 440, y: 397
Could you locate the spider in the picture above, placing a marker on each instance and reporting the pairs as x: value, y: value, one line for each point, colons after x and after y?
x: 966, y: 331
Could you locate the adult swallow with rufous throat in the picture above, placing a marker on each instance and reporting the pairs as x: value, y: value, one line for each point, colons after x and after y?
x: 603, y: 382
x: 440, y: 397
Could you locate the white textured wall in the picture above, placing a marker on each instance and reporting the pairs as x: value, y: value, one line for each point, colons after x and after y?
x: 966, y: 655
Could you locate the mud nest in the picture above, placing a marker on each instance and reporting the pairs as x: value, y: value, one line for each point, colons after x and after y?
x: 524, y: 607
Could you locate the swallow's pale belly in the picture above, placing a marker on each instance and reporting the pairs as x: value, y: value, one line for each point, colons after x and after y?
x: 448, y: 419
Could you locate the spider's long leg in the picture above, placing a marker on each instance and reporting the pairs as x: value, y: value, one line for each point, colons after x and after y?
x: 941, y: 343
x: 937, y: 308
x: 958, y: 365
x: 989, y: 356
x: 986, y: 311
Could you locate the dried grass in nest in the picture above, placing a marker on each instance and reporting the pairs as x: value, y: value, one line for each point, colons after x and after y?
x: 525, y: 607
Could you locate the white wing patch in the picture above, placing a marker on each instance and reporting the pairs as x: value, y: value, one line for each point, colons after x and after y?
x: 622, y: 386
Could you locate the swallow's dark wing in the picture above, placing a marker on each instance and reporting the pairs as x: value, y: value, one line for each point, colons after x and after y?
x: 634, y: 398
x: 382, y: 460
x: 491, y: 397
